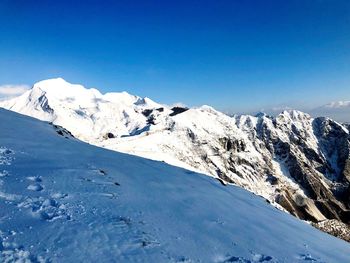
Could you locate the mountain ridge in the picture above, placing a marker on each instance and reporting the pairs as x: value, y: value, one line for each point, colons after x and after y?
x: 296, y: 162
x: 65, y: 200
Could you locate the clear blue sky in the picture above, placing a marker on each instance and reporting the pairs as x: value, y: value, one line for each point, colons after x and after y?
x: 233, y: 55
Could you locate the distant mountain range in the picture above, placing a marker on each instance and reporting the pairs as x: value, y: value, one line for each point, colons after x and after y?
x: 336, y: 110
x: 298, y: 163
x: 340, y: 110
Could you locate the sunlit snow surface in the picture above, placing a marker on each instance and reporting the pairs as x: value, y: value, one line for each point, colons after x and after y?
x: 196, y: 139
x: 62, y: 200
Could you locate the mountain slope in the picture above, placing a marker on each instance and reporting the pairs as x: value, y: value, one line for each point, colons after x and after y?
x: 296, y: 162
x: 62, y: 199
x: 69, y: 104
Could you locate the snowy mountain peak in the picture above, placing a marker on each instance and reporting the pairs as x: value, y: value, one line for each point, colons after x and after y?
x: 64, y: 91
x: 261, y: 114
x: 338, y: 104
x: 86, y: 113
x: 59, y: 88
x: 121, y: 97
x: 147, y: 102
x: 55, y: 83
x: 294, y: 115
x: 294, y: 161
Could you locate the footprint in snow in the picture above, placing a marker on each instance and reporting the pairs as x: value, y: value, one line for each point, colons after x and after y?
x: 47, y: 209
x: 59, y: 195
x: 307, y: 257
x: 181, y: 259
x: 6, y: 156
x: 35, y: 187
x: 10, y: 251
x: 261, y: 258
x: 36, y: 179
x: 109, y: 195
x: 4, y: 173
x: 255, y: 259
x: 102, y: 172
x: 236, y: 260
x: 123, y: 224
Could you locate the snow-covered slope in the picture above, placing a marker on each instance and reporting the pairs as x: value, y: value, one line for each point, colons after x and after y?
x: 62, y: 200
x: 85, y: 112
x: 296, y: 162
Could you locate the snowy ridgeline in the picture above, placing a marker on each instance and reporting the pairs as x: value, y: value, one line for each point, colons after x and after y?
x: 62, y: 200
x: 296, y: 162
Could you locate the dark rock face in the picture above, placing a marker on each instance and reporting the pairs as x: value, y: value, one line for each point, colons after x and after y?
x: 147, y: 112
x: 177, y: 110
x: 110, y: 135
x: 316, y: 156
x: 44, y: 104
x: 151, y: 120
x: 272, y: 179
x: 232, y: 144
x: 62, y: 131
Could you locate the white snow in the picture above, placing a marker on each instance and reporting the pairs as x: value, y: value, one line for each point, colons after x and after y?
x: 194, y: 139
x: 85, y: 112
x: 100, y: 205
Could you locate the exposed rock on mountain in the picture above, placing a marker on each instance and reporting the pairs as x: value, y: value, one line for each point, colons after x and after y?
x: 335, y: 228
x: 296, y: 162
x: 67, y: 201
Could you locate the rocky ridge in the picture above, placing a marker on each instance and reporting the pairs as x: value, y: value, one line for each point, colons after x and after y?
x: 296, y: 162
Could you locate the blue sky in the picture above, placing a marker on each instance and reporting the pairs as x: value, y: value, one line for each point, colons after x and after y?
x: 234, y: 55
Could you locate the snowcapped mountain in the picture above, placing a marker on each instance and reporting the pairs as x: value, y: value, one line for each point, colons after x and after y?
x: 338, y: 104
x: 62, y: 200
x: 85, y: 112
x: 340, y: 110
x: 298, y: 163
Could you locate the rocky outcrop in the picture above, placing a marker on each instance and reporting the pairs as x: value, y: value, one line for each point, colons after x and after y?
x: 62, y: 131
x: 316, y: 156
x: 177, y: 110
x: 335, y: 228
